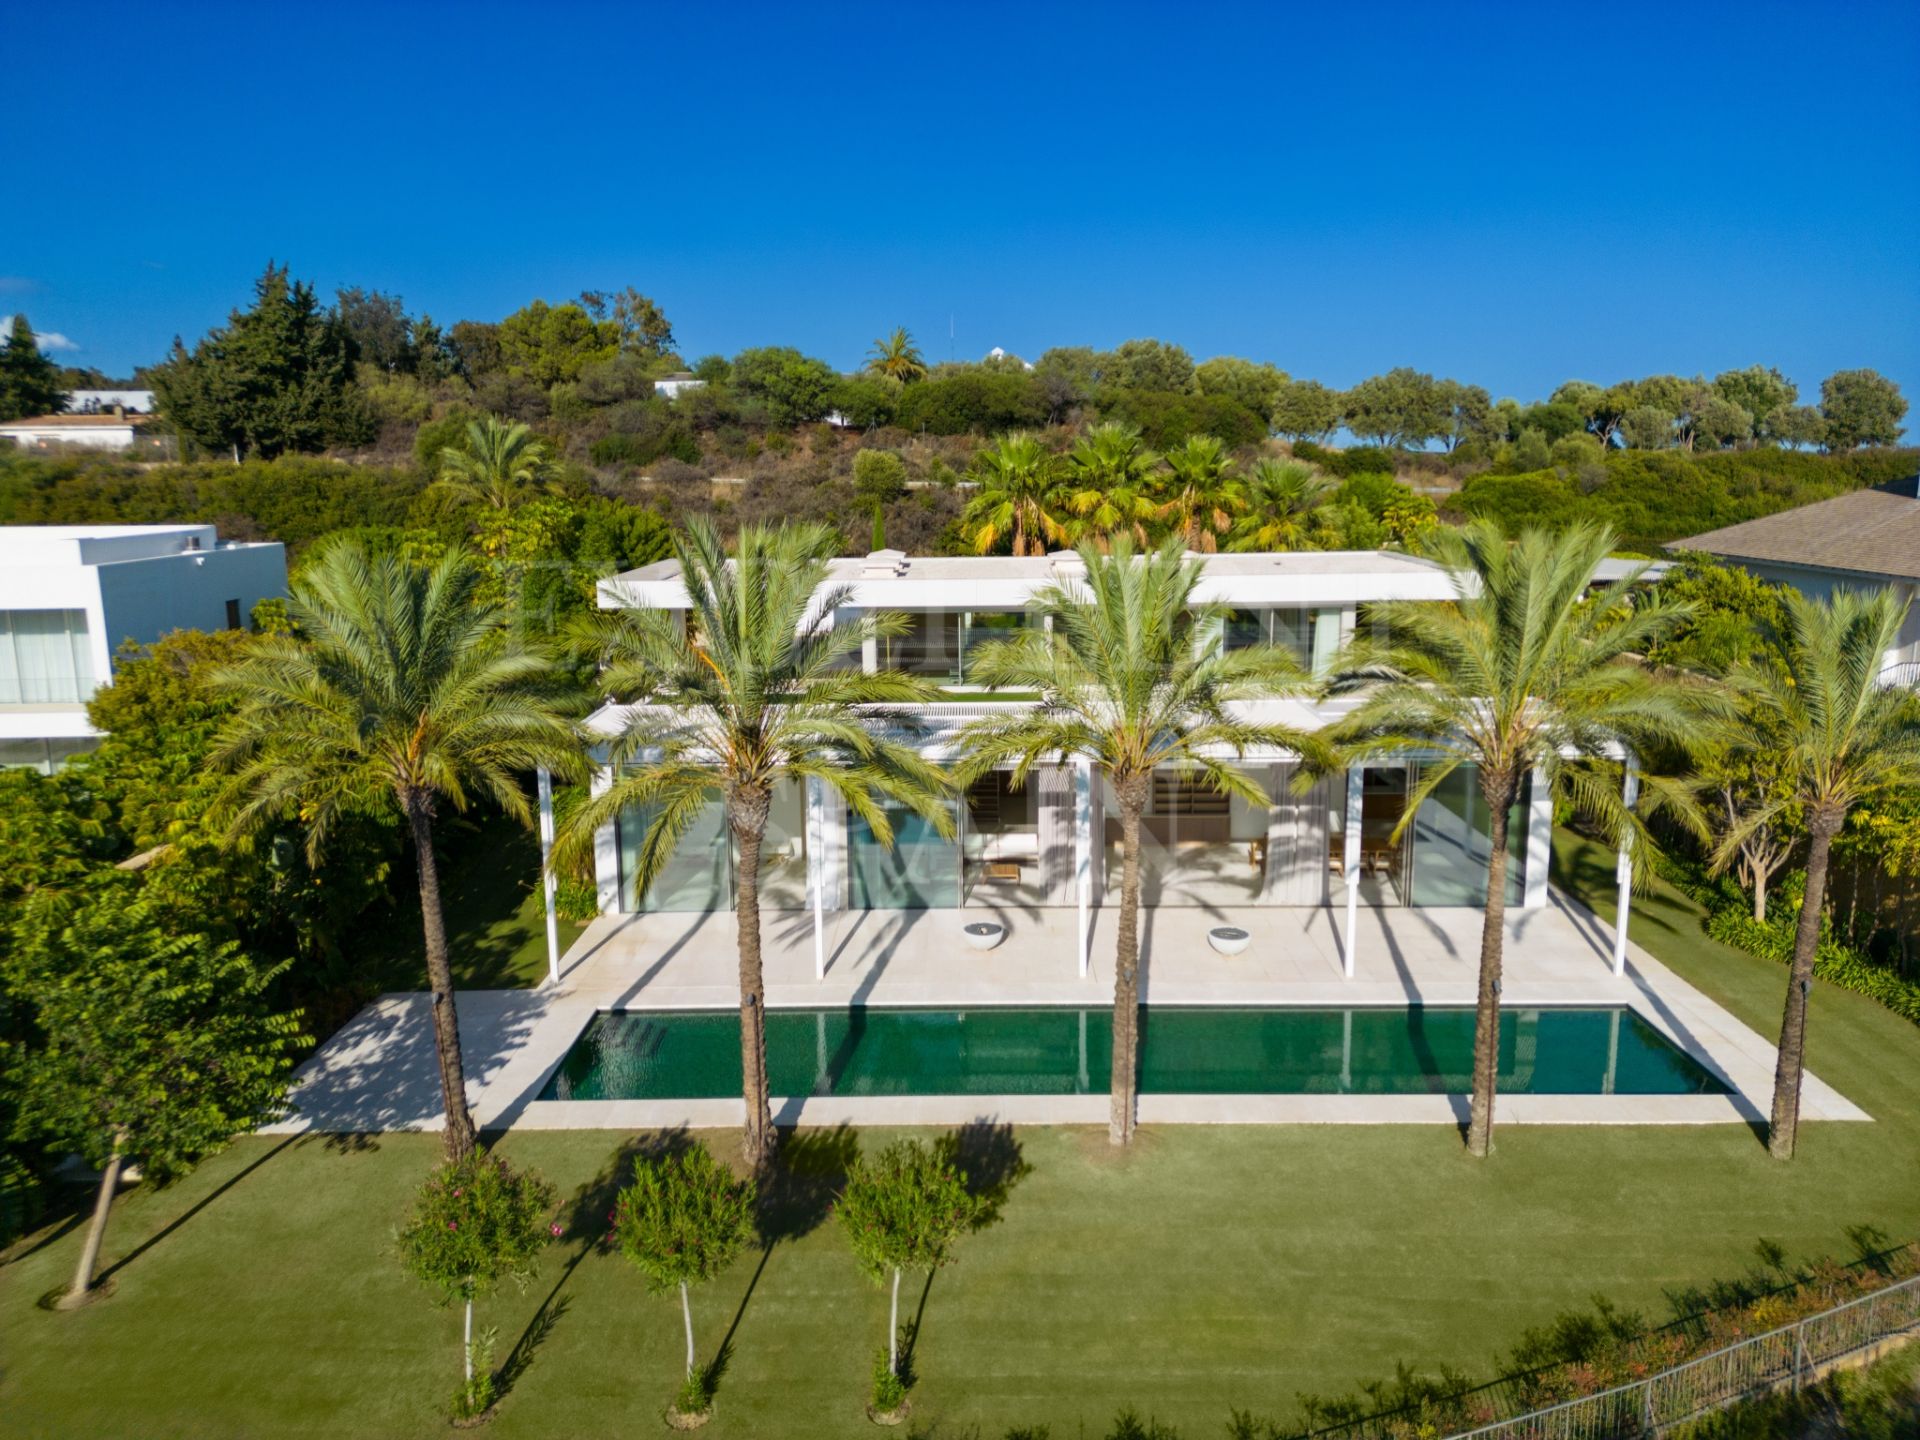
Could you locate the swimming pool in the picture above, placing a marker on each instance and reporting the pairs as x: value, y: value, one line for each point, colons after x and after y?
x: 1413, y: 1050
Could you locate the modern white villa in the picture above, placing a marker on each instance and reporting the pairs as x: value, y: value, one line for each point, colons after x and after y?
x: 72, y: 595
x: 1052, y: 844
x: 1345, y: 996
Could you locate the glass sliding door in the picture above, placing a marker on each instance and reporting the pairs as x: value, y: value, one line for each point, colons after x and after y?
x: 982, y: 627
x: 697, y: 875
x: 1452, y: 848
x: 1002, y: 843
x: 930, y: 647
x: 783, y: 849
x: 921, y: 870
x: 1197, y: 846
x: 46, y: 657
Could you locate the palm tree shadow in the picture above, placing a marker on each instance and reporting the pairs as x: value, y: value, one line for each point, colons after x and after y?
x: 990, y: 1161
x: 202, y: 1203
x: 589, y: 1224
x: 798, y: 1189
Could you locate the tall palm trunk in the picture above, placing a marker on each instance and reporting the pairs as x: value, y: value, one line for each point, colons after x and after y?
x: 1132, y: 795
x: 747, y: 812
x: 459, y: 1136
x: 1783, y: 1129
x: 1499, y: 793
x: 96, y: 1229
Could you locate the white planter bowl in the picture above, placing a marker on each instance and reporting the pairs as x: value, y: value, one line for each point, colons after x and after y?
x: 984, y: 934
x: 1229, y: 939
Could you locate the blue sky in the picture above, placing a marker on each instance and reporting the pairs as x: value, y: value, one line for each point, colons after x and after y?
x: 1508, y: 195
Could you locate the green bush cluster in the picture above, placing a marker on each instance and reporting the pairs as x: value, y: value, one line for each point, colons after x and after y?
x: 1833, y: 962
x: 1652, y: 497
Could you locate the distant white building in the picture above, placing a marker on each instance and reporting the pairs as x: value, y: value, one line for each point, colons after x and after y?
x: 72, y: 595
x: 672, y: 385
x: 107, y: 402
x: 84, y: 432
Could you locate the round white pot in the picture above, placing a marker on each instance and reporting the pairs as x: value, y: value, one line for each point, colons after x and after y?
x: 984, y: 934
x: 1229, y: 939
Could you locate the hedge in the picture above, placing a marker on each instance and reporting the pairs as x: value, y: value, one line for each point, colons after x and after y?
x: 1832, y: 961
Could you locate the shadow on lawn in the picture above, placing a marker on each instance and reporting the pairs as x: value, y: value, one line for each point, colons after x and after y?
x: 184, y: 1216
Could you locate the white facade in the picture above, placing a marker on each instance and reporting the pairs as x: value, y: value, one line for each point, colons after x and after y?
x: 105, y: 402
x: 71, y: 596
x: 674, y: 384
x: 1054, y: 844
x: 84, y: 432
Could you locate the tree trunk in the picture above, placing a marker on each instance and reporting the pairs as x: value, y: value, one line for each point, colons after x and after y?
x: 1499, y: 795
x: 686, y: 1314
x: 96, y: 1229
x: 1132, y: 795
x: 1759, y: 896
x: 1783, y: 1128
x: 446, y: 1019
x: 893, y: 1326
x: 747, y: 814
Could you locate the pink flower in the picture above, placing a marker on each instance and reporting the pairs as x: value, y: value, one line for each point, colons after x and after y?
x: 456, y: 1192
x: 453, y: 1225
x: 555, y: 1228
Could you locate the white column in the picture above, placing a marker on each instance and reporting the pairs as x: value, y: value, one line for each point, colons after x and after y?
x: 1355, y: 777
x: 548, y: 884
x: 1623, y: 876
x: 606, y: 852
x: 1538, y: 819
x: 817, y: 874
x: 1083, y: 856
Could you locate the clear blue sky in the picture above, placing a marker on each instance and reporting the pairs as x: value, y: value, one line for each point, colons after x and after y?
x: 1508, y: 195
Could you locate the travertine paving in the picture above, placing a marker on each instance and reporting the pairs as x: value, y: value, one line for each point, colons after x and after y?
x: 378, y: 1072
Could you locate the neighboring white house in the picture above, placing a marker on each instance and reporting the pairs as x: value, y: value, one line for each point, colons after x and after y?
x: 1865, y: 540
x: 71, y: 595
x: 106, y: 402
x: 1055, y: 842
x: 89, y: 432
x: 672, y: 385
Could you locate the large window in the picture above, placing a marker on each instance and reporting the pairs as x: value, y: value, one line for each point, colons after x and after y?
x: 700, y: 873
x: 938, y: 643
x: 1311, y: 635
x: 46, y: 756
x: 919, y: 871
x: 45, y: 657
x: 1452, y: 849
x: 1197, y: 845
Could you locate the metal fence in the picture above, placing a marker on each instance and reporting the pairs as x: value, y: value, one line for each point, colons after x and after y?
x: 1787, y: 1357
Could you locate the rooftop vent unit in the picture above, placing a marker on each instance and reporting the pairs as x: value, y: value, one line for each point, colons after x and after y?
x: 1067, y: 565
x: 884, y: 565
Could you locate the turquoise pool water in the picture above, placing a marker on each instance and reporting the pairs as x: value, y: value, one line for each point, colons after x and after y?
x: 688, y: 1055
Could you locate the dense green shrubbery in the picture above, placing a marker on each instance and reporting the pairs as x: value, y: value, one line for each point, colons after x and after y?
x: 1655, y: 496
x: 972, y: 401
x: 1833, y: 962
x: 1167, y: 420
x: 295, y: 499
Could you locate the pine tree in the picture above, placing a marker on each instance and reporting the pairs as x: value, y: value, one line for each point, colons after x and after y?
x: 279, y: 377
x: 29, y: 382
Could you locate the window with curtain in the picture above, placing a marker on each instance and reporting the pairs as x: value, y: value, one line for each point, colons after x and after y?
x: 45, y: 658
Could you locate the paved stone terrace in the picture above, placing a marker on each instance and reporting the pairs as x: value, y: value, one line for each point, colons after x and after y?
x: 378, y: 1073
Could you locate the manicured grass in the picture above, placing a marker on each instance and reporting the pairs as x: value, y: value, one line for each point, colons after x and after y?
x: 1214, y: 1266
x: 496, y: 918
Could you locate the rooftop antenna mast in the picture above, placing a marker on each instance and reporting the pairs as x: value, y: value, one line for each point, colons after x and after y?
x: 949, y: 336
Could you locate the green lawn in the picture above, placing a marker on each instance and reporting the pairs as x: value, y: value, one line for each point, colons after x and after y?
x: 1213, y: 1267
x: 496, y: 919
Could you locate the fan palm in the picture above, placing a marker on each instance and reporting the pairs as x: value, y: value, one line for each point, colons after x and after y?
x: 1281, y: 498
x: 1201, y: 496
x: 398, y: 686
x: 1127, y: 686
x: 1815, y: 704
x: 497, y: 463
x: 1520, y: 674
x: 1109, y: 482
x: 755, y: 691
x: 1018, y: 496
x: 897, y: 358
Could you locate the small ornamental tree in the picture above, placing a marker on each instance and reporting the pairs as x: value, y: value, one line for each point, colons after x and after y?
x: 903, y: 1210
x: 151, y: 1044
x: 683, y: 1220
x: 476, y: 1222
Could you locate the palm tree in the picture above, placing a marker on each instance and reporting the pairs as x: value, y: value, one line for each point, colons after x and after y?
x: 1281, y: 497
x: 495, y: 465
x: 1841, y: 738
x: 897, y: 358
x: 398, y: 685
x: 1109, y: 484
x: 1201, y: 497
x: 1127, y: 686
x: 755, y: 691
x: 1520, y: 674
x: 1018, y: 496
